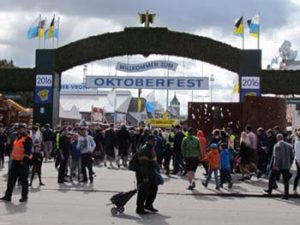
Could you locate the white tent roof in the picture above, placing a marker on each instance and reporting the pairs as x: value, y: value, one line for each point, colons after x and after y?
x: 85, y: 101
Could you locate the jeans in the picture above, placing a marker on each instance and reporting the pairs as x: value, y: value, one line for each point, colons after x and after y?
x: 76, y: 168
x: 178, y: 162
x: 210, y: 171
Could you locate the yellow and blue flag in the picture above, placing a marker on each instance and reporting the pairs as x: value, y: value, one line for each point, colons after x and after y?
x: 53, y: 30
x: 239, y: 27
x: 50, y: 32
x: 253, y: 25
x: 41, y: 32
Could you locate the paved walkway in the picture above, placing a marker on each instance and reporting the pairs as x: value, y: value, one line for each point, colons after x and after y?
x: 78, y: 204
x: 116, y: 180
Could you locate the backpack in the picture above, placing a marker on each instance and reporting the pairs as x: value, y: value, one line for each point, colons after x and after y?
x: 134, y: 162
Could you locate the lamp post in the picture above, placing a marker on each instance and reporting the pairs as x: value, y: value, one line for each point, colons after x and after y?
x: 212, y: 79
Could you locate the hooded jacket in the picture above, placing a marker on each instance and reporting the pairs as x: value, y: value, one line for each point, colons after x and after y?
x: 203, y: 143
x: 213, y: 159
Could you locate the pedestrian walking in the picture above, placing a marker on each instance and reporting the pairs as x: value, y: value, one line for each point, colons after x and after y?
x: 178, y: 162
x: 283, y: 157
x: 146, y: 177
x: 76, y: 158
x: 225, y: 169
x: 109, y: 145
x: 64, y: 153
x: 191, y: 151
x: 19, y: 169
x: 123, y: 140
x: 213, y: 157
x: 86, y: 144
x: 3, y: 140
x: 297, y: 161
x: 37, y: 159
x: 48, y: 138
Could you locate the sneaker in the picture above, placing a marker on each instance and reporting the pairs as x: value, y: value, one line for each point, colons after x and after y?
x: 42, y: 184
x: 5, y: 199
x: 204, y: 184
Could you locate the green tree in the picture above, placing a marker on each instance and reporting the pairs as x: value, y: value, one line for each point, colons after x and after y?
x: 7, y: 64
x: 21, y: 97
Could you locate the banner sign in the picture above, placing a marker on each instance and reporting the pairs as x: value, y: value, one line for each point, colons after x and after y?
x: 175, y: 83
x: 250, y: 83
x: 250, y: 86
x: 157, y: 64
x: 43, y: 81
x: 73, y: 87
x: 43, y: 89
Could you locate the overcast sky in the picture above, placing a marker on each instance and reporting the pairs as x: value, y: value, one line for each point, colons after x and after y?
x: 211, y: 18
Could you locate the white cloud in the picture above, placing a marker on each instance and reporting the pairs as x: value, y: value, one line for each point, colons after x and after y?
x: 279, y: 22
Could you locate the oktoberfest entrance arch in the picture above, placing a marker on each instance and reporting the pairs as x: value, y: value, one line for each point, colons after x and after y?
x: 51, y: 63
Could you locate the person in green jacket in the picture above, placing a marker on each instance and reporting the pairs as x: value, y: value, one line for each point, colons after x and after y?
x: 191, y: 151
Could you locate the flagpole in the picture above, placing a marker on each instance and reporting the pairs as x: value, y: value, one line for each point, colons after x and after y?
x: 58, y: 28
x: 258, y: 34
x: 53, y: 43
x: 243, y: 37
x: 168, y: 88
x: 115, y: 103
x: 39, y: 30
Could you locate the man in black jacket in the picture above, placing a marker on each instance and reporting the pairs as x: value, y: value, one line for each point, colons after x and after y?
x: 123, y: 140
x: 64, y: 153
x: 145, y: 176
x: 178, y: 158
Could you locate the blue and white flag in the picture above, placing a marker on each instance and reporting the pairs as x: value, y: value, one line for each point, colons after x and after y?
x: 33, y: 30
x: 253, y: 25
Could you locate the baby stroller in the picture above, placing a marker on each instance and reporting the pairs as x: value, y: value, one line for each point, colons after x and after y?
x: 120, y: 200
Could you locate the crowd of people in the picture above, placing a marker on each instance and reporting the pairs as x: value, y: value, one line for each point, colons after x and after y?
x: 179, y: 151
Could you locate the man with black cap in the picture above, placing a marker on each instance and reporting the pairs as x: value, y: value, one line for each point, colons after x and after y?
x: 145, y: 176
x: 21, y: 155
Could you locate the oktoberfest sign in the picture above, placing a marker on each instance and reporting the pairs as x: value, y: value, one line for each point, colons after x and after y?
x: 181, y: 83
x: 157, y: 64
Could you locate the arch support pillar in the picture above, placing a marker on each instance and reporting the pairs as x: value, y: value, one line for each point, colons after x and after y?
x: 47, y: 88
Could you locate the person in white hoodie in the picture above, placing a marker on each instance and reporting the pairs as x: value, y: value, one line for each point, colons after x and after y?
x: 297, y: 161
x: 86, y: 144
